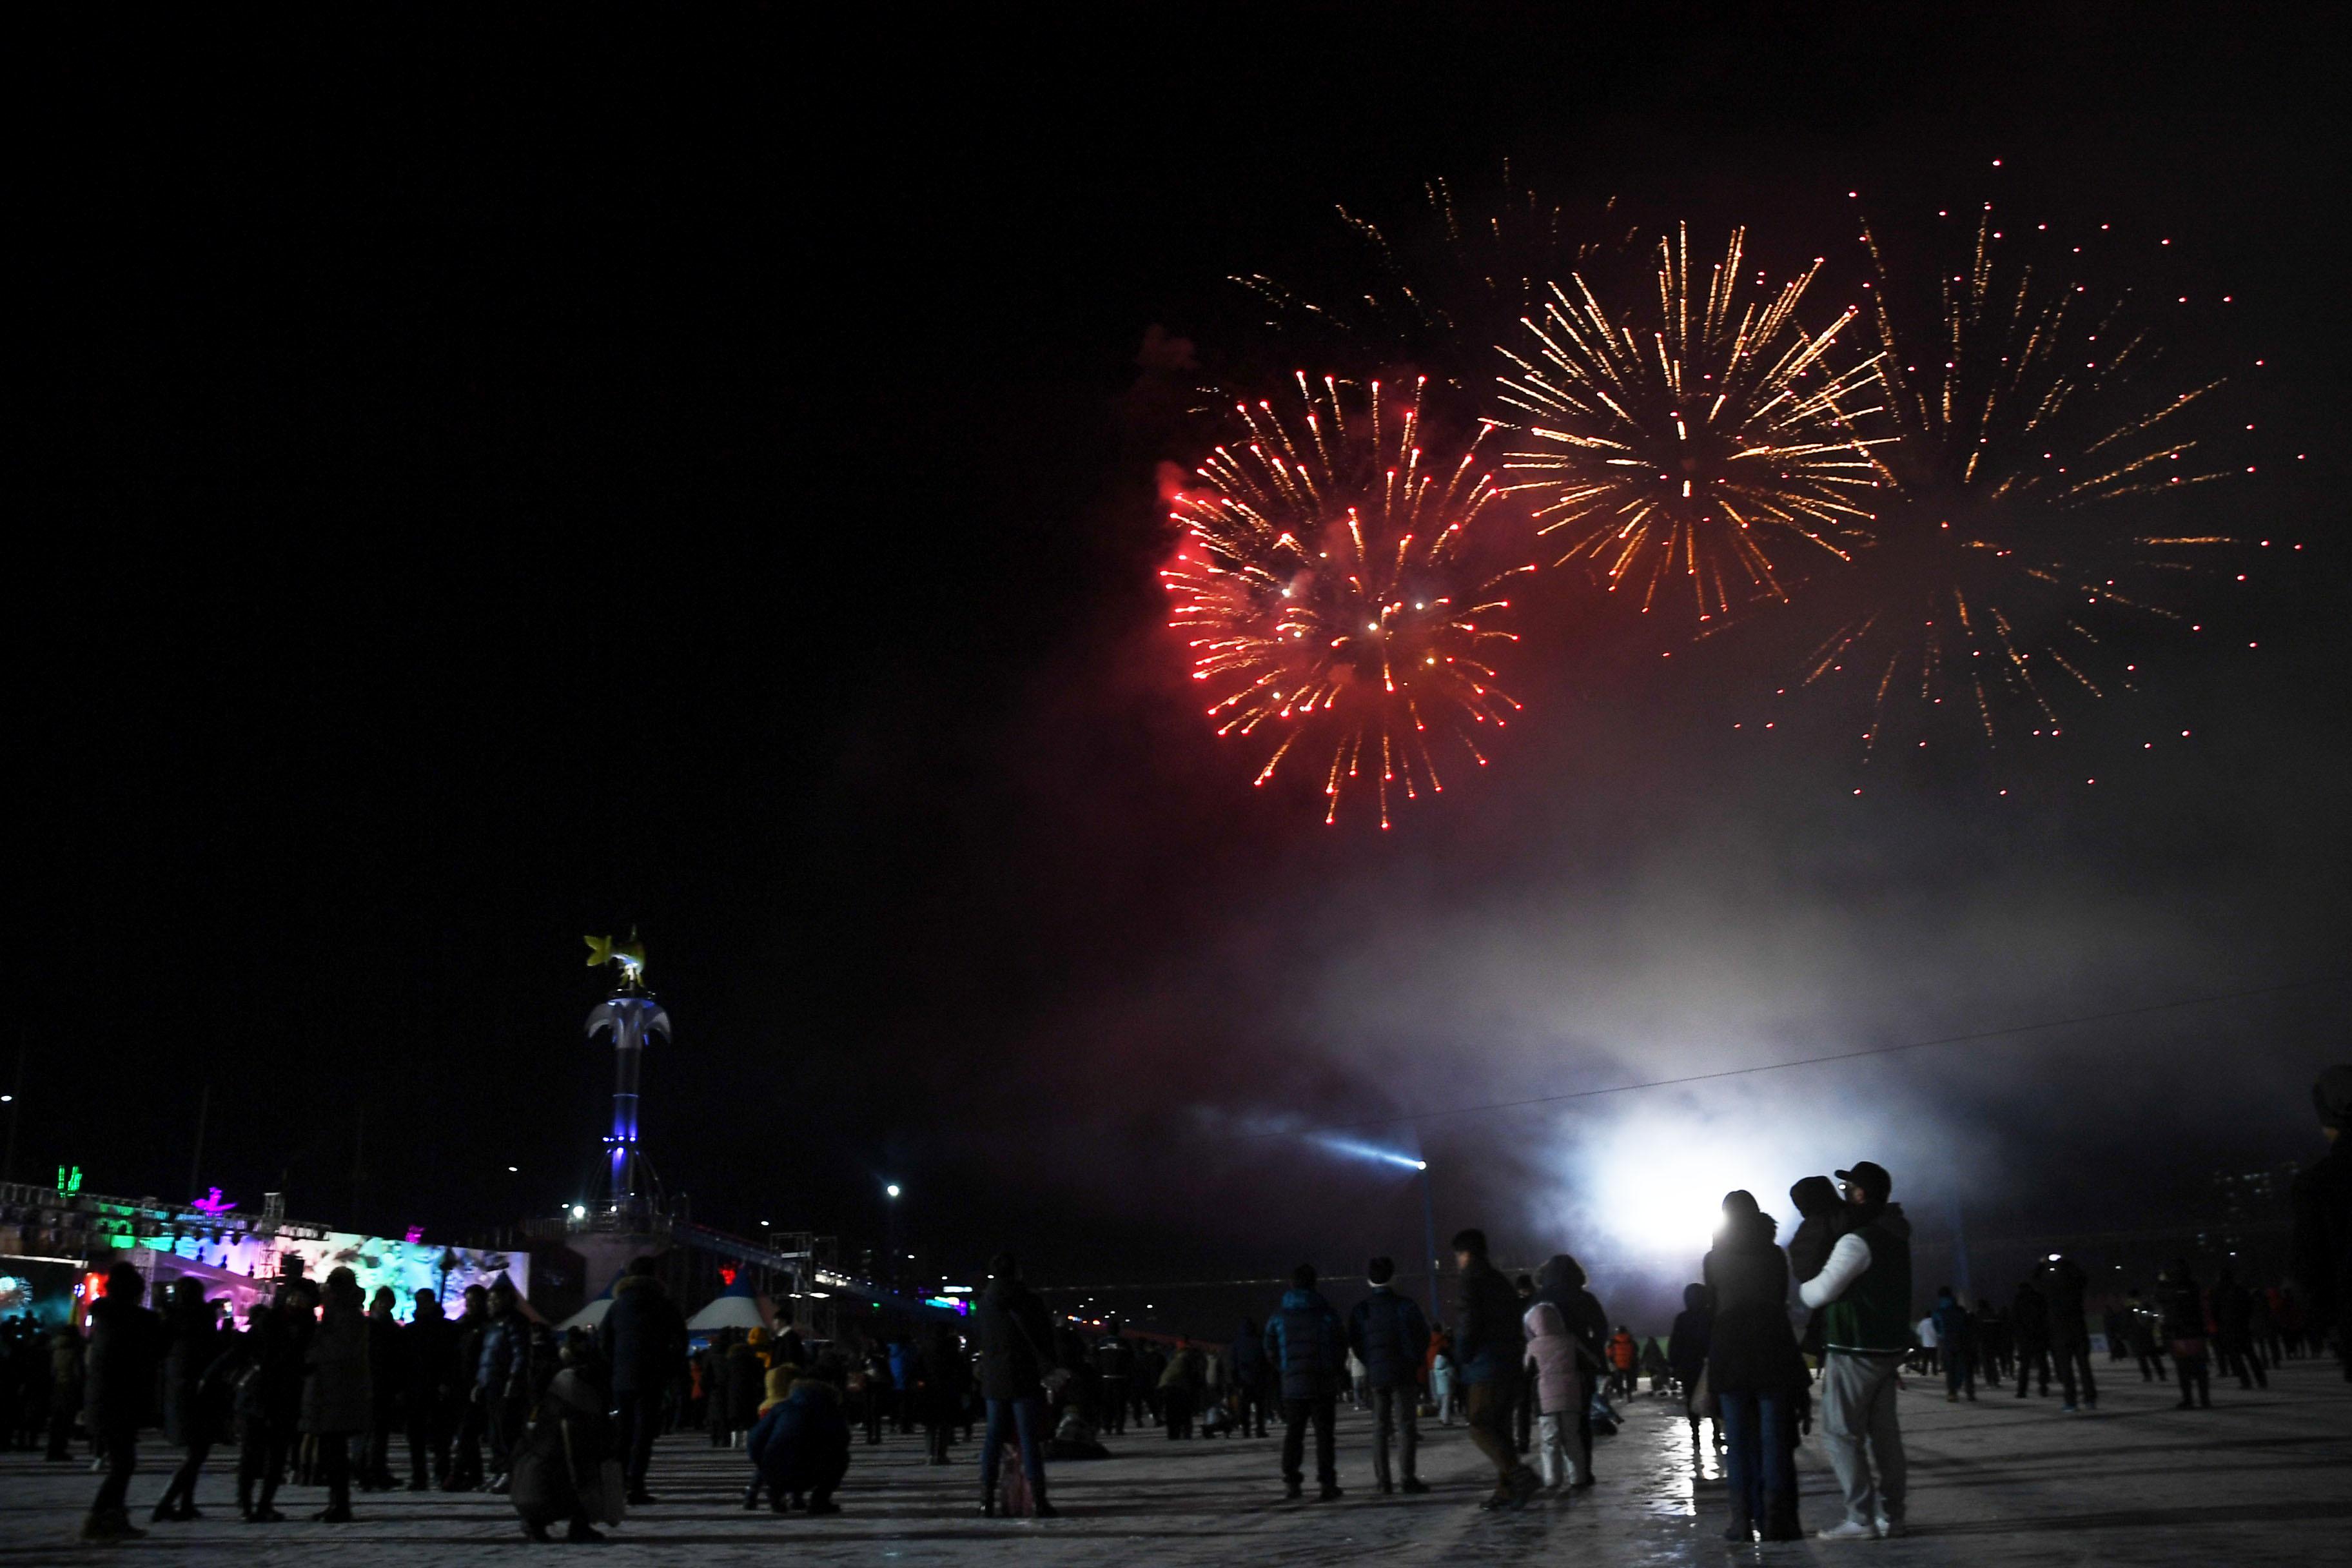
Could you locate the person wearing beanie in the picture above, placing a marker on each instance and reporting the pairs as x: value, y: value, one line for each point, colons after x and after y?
x: 2322, y: 1204
x: 1865, y: 1294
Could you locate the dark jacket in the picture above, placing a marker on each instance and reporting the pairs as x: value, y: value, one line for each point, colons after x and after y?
x: 943, y: 1377
x: 1687, y: 1343
x: 747, y: 1382
x: 801, y: 1444
x: 388, y: 1363
x: 269, y: 1388
x: 556, y: 1468
x: 2029, y: 1318
x: 1249, y: 1356
x: 2062, y: 1288
x: 642, y: 1336
x: 1489, y: 1339
x: 428, y: 1357
x: 336, y: 1396
x: 1016, y: 1341
x: 1751, y: 1349
x: 1820, y: 1221
x: 2321, y: 1199
x: 119, y: 1375
x: 1307, y: 1345
x: 2184, y: 1311
x: 1560, y: 1281
x: 1390, y: 1337
x: 192, y: 1346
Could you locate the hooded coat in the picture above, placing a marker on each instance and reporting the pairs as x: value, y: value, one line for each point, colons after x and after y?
x: 1751, y: 1349
x: 1553, y: 1351
x: 1307, y: 1345
x: 1560, y: 1281
x: 1821, y: 1218
x: 1249, y: 1356
x: 1016, y: 1341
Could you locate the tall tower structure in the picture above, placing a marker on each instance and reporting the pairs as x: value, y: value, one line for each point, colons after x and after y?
x: 626, y: 1223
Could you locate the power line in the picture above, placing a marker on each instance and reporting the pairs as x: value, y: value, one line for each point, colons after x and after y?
x: 1800, y: 1062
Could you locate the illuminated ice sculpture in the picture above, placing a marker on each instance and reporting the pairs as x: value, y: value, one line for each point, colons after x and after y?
x: 632, y: 1015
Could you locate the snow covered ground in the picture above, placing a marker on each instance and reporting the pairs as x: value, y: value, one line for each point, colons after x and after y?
x: 2261, y: 1478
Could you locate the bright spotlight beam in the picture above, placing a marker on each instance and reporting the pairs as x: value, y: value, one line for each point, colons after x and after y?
x: 1367, y: 1152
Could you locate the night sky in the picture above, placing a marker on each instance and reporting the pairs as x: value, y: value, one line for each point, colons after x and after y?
x: 485, y: 485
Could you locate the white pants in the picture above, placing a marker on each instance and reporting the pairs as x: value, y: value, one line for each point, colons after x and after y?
x: 1555, y: 1448
x: 1858, y: 1408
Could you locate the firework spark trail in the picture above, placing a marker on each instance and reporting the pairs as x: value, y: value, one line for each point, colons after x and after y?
x: 2036, y: 419
x: 1327, y: 584
x: 1696, y: 442
x: 1436, y: 287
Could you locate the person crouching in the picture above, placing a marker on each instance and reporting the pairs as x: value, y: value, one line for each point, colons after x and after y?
x: 802, y: 1446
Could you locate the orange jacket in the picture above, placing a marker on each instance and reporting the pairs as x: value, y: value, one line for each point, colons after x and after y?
x: 1621, y: 1352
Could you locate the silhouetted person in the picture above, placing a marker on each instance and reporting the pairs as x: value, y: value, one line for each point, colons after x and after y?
x: 337, y: 1401
x: 119, y: 1384
x: 1307, y: 1352
x: 1016, y: 1341
x: 1490, y: 1347
x: 2234, y: 1341
x: 2322, y: 1200
x: 428, y: 1364
x: 2184, y: 1332
x: 2029, y: 1322
x: 1390, y: 1336
x: 2062, y: 1285
x: 1757, y: 1373
x: 643, y: 1344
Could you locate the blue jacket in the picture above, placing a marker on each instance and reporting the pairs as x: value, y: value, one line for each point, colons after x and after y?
x: 1390, y: 1336
x: 902, y: 1365
x: 1308, y: 1346
x: 1952, y: 1323
x: 801, y: 1444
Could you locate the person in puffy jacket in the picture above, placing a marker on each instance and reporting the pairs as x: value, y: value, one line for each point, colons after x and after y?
x: 1388, y: 1334
x: 1306, y: 1349
x: 1624, y: 1353
x: 1561, y: 1282
x: 1553, y: 1355
x: 2183, y: 1305
x: 802, y: 1446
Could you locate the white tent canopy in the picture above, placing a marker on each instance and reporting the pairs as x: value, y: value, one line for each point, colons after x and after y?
x: 729, y: 1311
x: 589, y: 1316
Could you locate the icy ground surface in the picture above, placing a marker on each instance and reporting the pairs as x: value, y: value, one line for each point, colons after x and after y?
x: 2261, y: 1478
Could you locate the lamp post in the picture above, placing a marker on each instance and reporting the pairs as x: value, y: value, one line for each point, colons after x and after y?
x: 1429, y: 1237
x: 890, y: 1279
